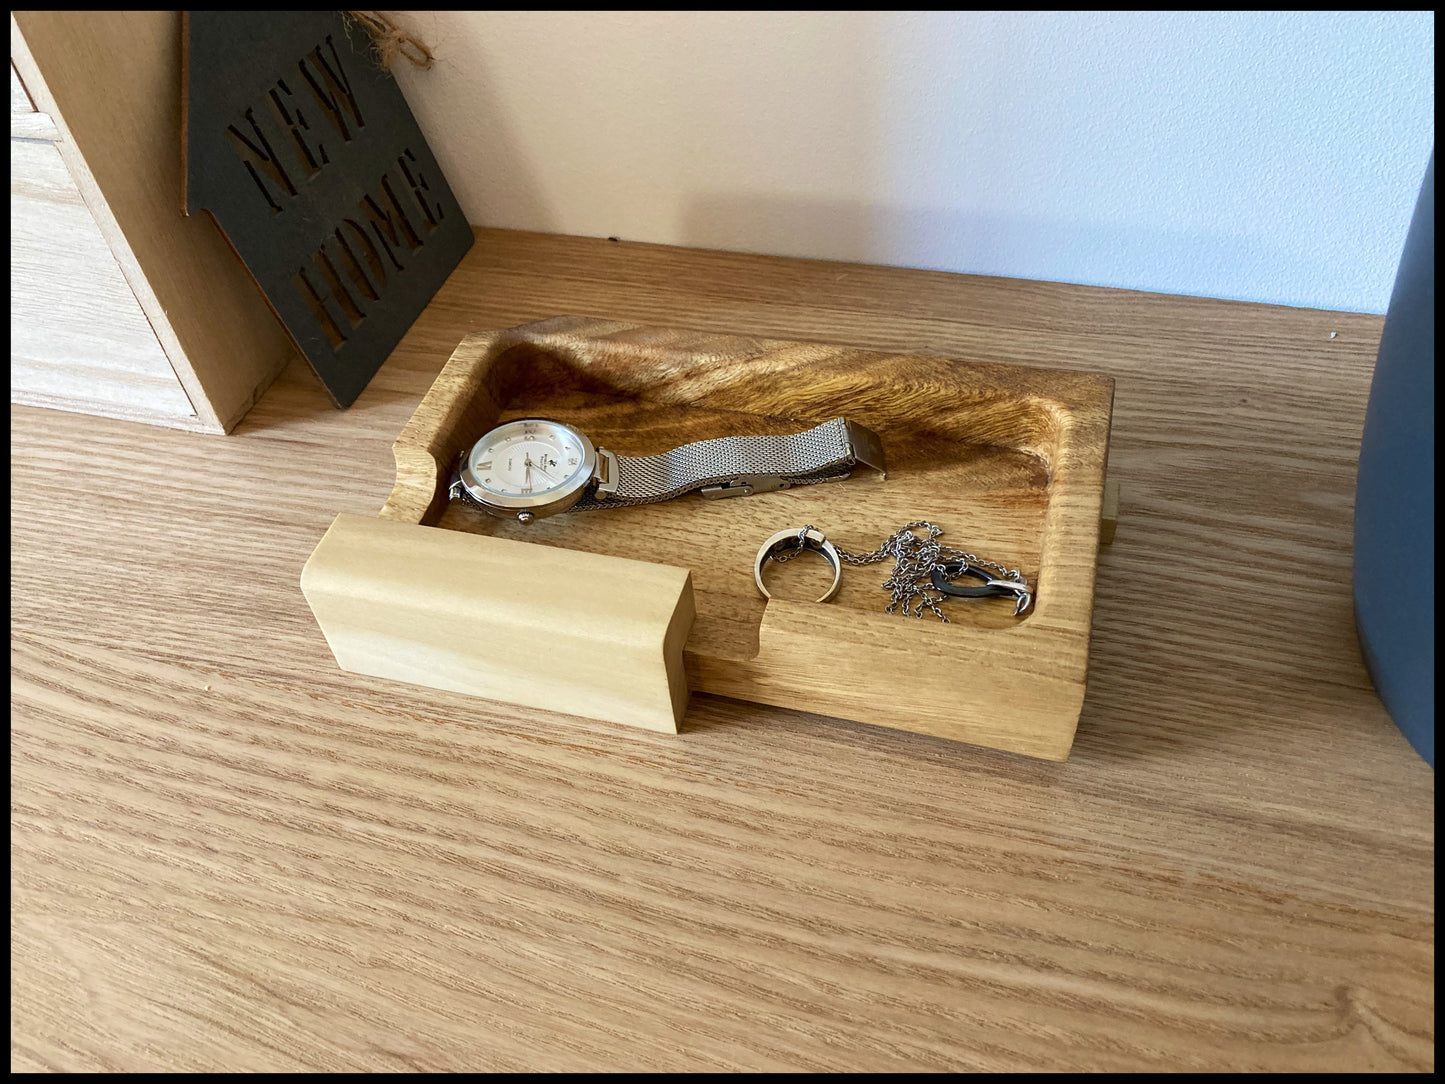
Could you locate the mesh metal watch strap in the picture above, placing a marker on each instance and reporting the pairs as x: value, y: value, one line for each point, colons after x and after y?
x: 821, y: 454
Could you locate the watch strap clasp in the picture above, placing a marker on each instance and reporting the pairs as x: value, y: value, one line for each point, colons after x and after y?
x: 608, y: 476
x: 867, y: 449
x: 745, y: 485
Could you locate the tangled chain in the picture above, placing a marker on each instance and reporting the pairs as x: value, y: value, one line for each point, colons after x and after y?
x: 916, y: 557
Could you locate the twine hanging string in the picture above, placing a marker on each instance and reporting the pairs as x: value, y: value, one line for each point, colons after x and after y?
x: 390, y: 40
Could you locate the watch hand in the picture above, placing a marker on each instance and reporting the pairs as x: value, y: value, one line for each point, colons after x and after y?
x: 527, y: 459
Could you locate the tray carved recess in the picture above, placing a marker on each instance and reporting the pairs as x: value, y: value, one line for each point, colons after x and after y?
x: 1009, y: 461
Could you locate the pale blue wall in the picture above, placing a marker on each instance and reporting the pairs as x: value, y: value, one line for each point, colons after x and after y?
x: 1262, y: 156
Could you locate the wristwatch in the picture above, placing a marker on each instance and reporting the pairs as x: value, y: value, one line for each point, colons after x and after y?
x: 535, y: 467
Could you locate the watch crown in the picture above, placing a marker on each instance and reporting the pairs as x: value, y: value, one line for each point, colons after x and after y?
x: 525, y: 517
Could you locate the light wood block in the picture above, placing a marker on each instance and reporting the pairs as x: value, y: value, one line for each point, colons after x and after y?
x: 79, y: 339
x: 1008, y: 461
x: 105, y: 87
x: 27, y: 122
x: 578, y: 633
x: 19, y: 100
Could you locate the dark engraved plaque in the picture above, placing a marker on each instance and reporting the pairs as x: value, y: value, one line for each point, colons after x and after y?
x: 304, y: 150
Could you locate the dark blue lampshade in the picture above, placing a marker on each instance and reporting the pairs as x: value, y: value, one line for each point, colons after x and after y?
x: 1394, y: 568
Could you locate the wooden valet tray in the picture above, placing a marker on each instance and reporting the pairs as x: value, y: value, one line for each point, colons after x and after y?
x: 1008, y: 461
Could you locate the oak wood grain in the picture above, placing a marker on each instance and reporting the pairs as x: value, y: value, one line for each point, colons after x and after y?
x: 227, y: 853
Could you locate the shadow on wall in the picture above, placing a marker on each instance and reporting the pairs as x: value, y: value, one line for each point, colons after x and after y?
x: 490, y: 149
x: 975, y: 242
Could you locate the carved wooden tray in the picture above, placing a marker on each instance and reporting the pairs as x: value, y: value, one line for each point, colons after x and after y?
x: 1009, y: 461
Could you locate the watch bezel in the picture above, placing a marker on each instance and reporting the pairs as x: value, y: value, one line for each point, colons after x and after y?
x: 539, y: 504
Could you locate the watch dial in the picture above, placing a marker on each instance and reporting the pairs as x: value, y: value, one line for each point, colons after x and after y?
x: 527, y: 458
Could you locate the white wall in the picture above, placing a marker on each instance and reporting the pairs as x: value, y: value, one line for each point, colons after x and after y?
x: 1262, y: 156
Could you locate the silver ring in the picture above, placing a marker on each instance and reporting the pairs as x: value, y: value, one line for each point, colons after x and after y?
x: 794, y: 539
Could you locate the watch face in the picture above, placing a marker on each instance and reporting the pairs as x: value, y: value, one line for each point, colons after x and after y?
x: 529, y: 465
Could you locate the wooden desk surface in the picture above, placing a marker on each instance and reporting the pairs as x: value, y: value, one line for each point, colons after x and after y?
x: 228, y: 854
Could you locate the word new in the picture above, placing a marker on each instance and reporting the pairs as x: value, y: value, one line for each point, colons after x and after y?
x: 342, y: 279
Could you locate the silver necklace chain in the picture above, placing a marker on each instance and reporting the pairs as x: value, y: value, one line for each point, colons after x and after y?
x: 915, y: 558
